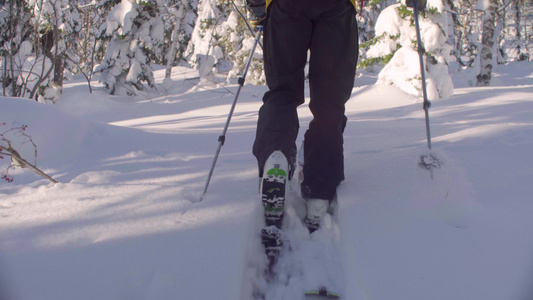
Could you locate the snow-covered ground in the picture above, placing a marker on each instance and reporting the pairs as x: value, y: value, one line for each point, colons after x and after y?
x: 124, y: 221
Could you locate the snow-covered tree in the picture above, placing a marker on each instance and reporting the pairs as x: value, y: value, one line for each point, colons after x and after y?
x: 58, y: 22
x: 16, y: 45
x: 238, y: 41
x: 458, y: 31
x: 514, y: 38
x: 34, y: 46
x: 467, y: 31
x: 367, y: 17
x: 221, y: 42
x: 135, y: 28
x: 366, y: 21
x: 85, y: 47
x: 202, y: 51
x: 518, y: 11
x: 181, y: 22
x: 488, y: 41
x: 395, y: 46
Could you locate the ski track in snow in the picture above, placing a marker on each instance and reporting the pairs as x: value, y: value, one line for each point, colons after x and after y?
x: 125, y: 222
x: 307, y: 262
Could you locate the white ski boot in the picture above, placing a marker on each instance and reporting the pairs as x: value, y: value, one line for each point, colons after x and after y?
x: 316, y: 210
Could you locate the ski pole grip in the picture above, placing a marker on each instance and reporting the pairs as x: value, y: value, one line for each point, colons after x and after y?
x: 420, y: 4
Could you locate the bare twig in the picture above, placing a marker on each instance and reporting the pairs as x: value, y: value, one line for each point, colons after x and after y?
x: 15, y: 156
x: 7, y: 149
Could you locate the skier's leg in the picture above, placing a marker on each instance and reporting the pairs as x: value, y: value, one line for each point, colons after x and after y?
x: 333, y: 61
x: 287, y: 34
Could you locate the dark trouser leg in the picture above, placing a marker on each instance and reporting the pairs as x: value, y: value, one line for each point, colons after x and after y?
x: 333, y: 61
x: 287, y: 37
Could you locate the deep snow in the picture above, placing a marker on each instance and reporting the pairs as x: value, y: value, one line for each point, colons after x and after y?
x: 124, y: 221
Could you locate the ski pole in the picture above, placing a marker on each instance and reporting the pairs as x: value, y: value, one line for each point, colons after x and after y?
x: 427, y: 104
x: 222, y: 137
x: 430, y: 161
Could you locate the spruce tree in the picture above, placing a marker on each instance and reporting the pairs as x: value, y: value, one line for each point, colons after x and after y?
x: 395, y: 48
x: 134, y: 28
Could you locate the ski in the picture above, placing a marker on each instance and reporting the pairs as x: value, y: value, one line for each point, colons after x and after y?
x: 273, y: 193
x: 321, y: 294
x: 284, y: 270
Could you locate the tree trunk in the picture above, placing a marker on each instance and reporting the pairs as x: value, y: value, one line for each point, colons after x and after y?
x: 178, y: 20
x: 487, y: 44
x: 58, y: 71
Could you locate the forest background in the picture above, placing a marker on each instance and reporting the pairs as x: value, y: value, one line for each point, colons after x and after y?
x: 44, y: 42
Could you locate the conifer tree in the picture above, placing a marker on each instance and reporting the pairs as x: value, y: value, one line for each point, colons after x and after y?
x: 221, y: 42
x: 395, y: 47
x: 135, y: 28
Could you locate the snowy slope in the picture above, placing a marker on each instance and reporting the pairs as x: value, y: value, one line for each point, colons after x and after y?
x: 124, y: 221
x: 407, y: 237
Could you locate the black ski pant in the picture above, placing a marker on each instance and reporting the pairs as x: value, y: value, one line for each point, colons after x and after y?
x: 328, y: 29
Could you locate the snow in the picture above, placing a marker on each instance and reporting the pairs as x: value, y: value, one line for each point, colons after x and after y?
x: 125, y: 221
x: 482, y: 4
x: 435, y: 4
x: 121, y: 18
x: 398, y: 37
